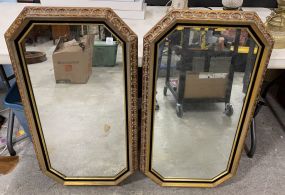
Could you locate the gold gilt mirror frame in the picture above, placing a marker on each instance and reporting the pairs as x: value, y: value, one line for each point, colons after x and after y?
x: 49, y: 15
x: 196, y: 18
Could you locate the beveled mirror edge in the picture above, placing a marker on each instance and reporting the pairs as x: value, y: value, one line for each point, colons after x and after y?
x: 112, y: 20
x: 197, y: 17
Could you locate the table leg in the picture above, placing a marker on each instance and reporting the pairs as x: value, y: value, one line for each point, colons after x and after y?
x: 10, y: 134
x: 251, y: 150
x: 10, y: 128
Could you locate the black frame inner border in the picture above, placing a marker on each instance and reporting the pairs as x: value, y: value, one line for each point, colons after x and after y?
x: 27, y: 81
x: 246, y: 104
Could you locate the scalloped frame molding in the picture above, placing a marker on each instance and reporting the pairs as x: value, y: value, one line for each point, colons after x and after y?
x: 204, y: 17
x: 31, y: 15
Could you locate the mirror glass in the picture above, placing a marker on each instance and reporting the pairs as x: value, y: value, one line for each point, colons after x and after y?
x: 77, y: 77
x: 202, y: 77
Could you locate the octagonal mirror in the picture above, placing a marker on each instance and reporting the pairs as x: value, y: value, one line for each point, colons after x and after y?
x: 76, y: 73
x: 202, y: 72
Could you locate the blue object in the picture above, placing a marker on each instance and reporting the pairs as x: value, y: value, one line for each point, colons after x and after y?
x: 14, y: 102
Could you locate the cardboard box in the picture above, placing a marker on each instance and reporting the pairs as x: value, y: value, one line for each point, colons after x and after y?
x: 205, y: 85
x: 72, y: 63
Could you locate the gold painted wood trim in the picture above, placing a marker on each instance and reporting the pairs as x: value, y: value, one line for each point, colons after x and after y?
x: 219, y: 18
x: 66, y: 14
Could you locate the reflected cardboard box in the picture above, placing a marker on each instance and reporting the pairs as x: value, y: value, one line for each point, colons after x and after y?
x: 72, y: 60
x: 205, y: 85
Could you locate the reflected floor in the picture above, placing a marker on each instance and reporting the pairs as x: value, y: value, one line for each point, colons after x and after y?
x: 197, y: 145
x: 83, y: 124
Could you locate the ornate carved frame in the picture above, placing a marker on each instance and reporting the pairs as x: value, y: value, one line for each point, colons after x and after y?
x: 199, y: 17
x: 31, y: 15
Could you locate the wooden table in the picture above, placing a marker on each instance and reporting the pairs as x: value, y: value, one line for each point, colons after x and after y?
x: 10, y: 11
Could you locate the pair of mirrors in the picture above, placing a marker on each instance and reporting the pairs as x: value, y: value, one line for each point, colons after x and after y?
x: 77, y: 73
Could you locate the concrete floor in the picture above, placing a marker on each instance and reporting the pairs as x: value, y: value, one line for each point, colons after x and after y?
x: 264, y: 174
x: 75, y: 145
x: 205, y: 133
x: 198, y: 145
x: 67, y: 111
x: 83, y: 124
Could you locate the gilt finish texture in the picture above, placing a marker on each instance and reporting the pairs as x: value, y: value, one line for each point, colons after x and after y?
x: 218, y: 18
x: 55, y: 14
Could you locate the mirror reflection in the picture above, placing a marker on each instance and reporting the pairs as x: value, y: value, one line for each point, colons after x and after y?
x: 202, y: 77
x: 78, y: 82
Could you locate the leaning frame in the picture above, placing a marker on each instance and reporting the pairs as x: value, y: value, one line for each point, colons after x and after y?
x: 31, y: 15
x: 198, y: 17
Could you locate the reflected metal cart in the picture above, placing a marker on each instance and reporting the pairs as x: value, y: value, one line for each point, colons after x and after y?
x: 186, y: 64
x: 250, y: 59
